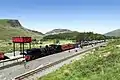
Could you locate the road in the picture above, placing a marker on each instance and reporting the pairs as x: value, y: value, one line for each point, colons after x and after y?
x: 9, y: 73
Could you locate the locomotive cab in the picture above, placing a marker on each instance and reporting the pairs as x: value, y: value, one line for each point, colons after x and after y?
x: 32, y: 54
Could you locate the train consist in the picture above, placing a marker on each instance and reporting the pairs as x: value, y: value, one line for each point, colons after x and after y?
x: 35, y: 53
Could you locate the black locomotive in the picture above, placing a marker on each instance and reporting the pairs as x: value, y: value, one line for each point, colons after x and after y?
x: 35, y: 53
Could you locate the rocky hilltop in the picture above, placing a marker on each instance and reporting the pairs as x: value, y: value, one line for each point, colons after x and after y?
x: 10, y: 28
x: 57, y: 31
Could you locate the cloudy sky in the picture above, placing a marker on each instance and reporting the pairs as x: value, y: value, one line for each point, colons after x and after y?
x: 99, y: 16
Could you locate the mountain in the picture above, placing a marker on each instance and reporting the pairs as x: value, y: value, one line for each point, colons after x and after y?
x: 57, y: 31
x: 37, y: 32
x: 66, y: 36
x: 74, y: 35
x: 115, y: 33
x: 10, y: 28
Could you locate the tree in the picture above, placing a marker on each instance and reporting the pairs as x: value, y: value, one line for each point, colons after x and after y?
x: 56, y: 41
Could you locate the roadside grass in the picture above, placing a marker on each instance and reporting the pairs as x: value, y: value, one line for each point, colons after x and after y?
x: 100, y: 64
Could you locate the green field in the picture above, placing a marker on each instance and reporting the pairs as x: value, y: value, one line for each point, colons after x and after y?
x: 100, y: 64
x: 6, y: 47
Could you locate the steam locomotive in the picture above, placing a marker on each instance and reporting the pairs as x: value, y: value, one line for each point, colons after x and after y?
x: 35, y: 53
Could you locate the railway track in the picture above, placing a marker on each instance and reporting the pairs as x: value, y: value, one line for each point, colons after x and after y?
x: 11, y: 62
x: 40, y: 69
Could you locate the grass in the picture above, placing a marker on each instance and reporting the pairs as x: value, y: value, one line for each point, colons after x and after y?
x: 101, y: 64
x: 7, y: 31
x: 5, y: 47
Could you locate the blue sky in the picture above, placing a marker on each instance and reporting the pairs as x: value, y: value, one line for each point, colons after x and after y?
x: 99, y: 16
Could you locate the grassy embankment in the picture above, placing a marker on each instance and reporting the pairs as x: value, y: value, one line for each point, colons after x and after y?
x: 101, y: 64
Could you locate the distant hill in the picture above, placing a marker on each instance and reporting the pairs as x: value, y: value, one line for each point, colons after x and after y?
x: 57, y: 31
x: 74, y: 35
x: 115, y: 33
x: 10, y: 28
x: 68, y: 36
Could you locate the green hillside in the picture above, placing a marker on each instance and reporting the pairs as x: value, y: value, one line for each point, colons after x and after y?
x: 74, y: 35
x: 11, y: 28
x: 114, y: 33
x: 99, y: 64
